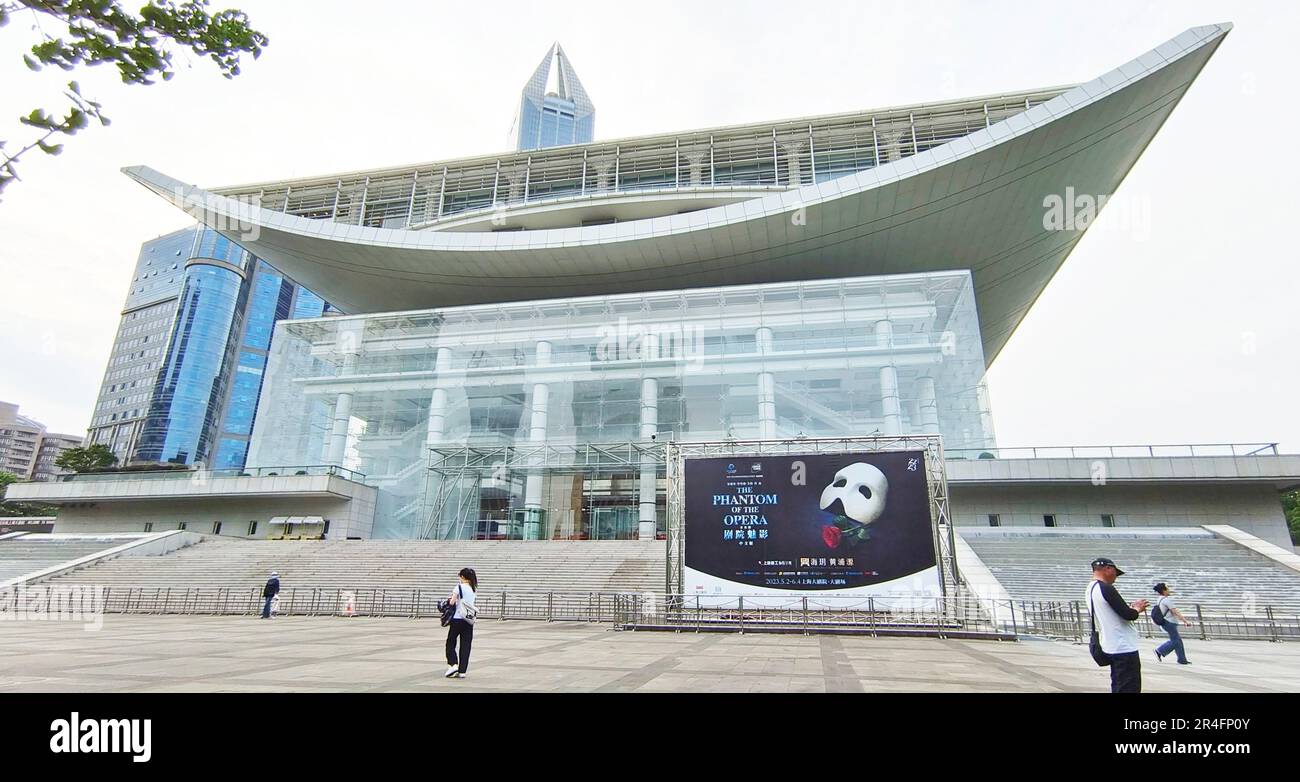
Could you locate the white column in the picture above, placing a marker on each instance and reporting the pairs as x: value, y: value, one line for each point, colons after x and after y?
x: 436, y: 433
x: 928, y: 404
x: 646, y: 523
x: 893, y: 418
x: 536, y: 436
x: 339, y: 432
x: 766, y: 388
x: 438, y: 400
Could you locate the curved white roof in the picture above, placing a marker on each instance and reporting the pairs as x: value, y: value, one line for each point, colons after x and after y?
x: 973, y: 203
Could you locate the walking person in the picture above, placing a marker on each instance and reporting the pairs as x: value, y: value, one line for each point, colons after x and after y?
x: 1113, y: 620
x: 461, y: 625
x: 269, y: 592
x: 1160, y: 615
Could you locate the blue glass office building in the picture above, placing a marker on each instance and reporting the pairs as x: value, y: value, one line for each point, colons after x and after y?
x: 205, y: 393
x: 554, y: 109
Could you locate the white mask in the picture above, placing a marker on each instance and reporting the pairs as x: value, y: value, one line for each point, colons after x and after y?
x: 861, y: 490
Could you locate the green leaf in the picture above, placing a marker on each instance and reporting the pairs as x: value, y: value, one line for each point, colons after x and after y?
x: 50, y: 149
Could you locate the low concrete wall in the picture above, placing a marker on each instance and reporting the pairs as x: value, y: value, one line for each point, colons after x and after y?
x: 1262, y: 547
x: 151, y: 546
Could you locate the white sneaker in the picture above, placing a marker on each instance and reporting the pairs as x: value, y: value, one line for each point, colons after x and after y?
x: 451, y: 672
x: 461, y: 675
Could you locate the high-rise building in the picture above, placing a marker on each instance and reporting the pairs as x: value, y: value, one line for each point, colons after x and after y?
x: 51, y: 446
x: 26, y: 449
x: 186, y: 368
x: 554, y: 109
x: 147, y: 314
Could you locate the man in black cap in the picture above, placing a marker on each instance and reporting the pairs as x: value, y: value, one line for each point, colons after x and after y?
x: 1114, y: 619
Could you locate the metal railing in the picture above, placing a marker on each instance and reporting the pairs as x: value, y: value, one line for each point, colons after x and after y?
x: 1070, y: 621
x: 370, y: 602
x: 961, y: 616
x: 199, y: 475
x: 1115, y: 451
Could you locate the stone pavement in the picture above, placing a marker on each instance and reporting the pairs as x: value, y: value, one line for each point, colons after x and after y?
x: 134, y: 653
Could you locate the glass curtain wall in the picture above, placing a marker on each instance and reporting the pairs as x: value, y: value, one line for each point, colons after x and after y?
x: 388, y: 394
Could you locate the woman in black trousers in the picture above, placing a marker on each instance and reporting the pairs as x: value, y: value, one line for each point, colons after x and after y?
x: 461, y: 625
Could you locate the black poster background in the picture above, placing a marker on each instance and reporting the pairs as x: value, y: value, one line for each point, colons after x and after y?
x: 900, y: 544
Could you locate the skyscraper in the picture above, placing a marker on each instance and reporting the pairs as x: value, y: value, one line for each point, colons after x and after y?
x: 554, y: 109
x: 186, y: 368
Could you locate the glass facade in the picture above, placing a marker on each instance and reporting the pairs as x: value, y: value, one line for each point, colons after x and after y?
x: 554, y: 109
x: 389, y: 395
x: 192, y: 382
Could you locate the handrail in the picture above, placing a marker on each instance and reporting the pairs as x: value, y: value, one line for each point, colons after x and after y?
x: 1116, y: 451
x: 199, y: 475
x: 962, y: 615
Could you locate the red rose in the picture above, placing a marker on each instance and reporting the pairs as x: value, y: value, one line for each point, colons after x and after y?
x: 831, y: 534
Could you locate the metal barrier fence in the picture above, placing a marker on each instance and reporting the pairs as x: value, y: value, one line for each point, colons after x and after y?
x: 1070, y: 620
x: 963, y: 615
x: 410, y: 603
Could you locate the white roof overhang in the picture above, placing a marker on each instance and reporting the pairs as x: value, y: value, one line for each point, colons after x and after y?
x: 974, y: 203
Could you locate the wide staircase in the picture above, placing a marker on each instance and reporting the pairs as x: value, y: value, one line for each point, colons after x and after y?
x: 31, y: 553
x: 1220, y: 576
x: 392, y: 565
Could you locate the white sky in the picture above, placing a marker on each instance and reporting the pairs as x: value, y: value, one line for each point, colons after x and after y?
x: 1182, y: 329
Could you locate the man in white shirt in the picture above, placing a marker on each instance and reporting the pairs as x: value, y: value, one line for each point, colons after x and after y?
x: 1114, y: 619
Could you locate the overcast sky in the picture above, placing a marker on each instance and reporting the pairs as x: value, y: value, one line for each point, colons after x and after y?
x: 1173, y: 321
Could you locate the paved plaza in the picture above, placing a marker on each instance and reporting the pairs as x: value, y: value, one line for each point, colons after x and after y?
x: 134, y: 653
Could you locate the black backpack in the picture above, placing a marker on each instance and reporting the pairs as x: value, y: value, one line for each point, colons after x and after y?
x: 1158, y: 615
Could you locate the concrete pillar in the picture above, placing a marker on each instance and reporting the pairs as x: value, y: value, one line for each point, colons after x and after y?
x: 892, y: 413
x: 766, y: 387
x: 929, y: 406
x: 437, y: 430
x: 536, y: 436
x: 339, y: 432
x: 646, y: 524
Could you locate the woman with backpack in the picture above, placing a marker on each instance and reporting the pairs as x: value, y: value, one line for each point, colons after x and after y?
x: 461, y: 625
x: 1160, y: 614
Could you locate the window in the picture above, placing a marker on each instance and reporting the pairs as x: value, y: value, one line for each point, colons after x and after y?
x: 148, y: 526
x: 216, y: 528
x: 1107, y: 520
x: 182, y: 525
x: 1049, y: 520
x: 252, y: 528
x: 995, y: 520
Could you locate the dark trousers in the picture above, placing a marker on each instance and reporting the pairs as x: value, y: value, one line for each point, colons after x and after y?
x: 1174, y: 644
x: 266, y: 609
x: 463, y: 630
x: 1125, y: 673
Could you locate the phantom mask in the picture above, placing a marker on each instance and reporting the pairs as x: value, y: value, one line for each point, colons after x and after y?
x: 860, y: 489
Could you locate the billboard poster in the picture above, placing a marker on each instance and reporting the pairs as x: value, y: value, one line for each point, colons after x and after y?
x: 855, y: 525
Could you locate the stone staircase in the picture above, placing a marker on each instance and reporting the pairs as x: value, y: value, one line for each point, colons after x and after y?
x: 508, y: 565
x: 1222, y: 576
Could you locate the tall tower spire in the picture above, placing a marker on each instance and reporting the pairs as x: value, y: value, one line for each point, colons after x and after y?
x: 554, y: 109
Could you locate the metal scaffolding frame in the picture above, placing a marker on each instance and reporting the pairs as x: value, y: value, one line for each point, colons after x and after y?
x: 935, y: 475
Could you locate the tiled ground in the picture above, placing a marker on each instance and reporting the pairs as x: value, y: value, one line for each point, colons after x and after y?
x: 199, y: 654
